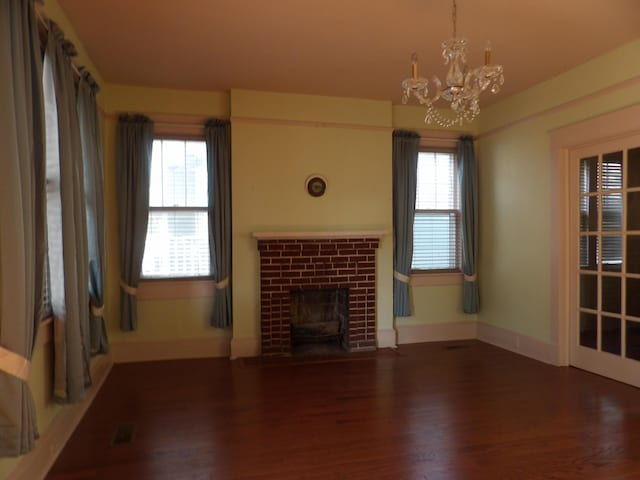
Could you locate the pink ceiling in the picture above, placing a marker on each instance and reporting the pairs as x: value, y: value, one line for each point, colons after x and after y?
x: 351, y: 48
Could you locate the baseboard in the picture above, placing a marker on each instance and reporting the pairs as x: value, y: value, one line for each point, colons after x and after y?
x: 37, y: 463
x: 436, y: 332
x: 127, y: 352
x: 245, y: 347
x: 386, y: 338
x: 518, y: 343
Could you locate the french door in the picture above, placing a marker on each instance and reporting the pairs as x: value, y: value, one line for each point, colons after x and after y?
x: 605, y: 288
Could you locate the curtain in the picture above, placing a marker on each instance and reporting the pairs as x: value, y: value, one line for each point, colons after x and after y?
x: 67, y: 223
x: 22, y: 219
x: 93, y: 185
x: 133, y: 150
x: 468, y: 181
x: 218, y: 139
x: 405, y: 171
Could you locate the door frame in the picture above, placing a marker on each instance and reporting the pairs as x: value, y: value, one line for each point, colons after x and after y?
x: 612, y: 126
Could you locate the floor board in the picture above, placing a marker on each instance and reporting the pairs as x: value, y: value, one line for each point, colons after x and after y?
x: 438, y: 411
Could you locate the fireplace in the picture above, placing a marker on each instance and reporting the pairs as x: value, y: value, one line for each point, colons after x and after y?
x: 291, y: 263
x: 320, y: 318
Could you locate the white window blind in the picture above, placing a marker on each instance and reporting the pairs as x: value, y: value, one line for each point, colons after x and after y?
x: 601, y: 183
x: 437, y: 218
x: 177, y: 243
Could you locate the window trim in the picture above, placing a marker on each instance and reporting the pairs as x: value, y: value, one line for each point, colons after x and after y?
x: 420, y: 277
x: 150, y: 288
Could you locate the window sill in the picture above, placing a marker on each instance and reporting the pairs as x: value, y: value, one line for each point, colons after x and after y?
x: 174, y: 289
x: 444, y: 278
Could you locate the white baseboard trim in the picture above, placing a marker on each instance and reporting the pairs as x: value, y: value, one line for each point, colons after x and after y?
x: 436, y: 332
x: 386, y: 338
x: 245, y: 347
x: 128, y: 352
x: 518, y: 343
x: 37, y: 463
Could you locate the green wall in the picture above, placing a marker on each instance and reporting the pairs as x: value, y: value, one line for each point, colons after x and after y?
x: 515, y: 171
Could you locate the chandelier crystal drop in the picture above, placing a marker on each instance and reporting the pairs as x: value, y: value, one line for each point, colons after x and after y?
x: 462, y: 86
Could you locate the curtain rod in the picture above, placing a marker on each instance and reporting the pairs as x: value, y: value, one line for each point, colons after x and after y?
x: 168, y: 119
x: 43, y: 23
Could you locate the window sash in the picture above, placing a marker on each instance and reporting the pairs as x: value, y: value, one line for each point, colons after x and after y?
x: 177, y: 244
x: 436, y: 245
x: 177, y: 241
x: 436, y: 239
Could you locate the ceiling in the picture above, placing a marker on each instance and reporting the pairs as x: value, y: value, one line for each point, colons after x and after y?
x: 349, y: 48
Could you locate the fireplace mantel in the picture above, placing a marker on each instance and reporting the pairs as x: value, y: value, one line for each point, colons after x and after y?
x: 319, y: 235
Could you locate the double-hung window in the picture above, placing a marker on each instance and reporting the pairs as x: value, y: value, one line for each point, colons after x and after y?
x: 436, y: 227
x: 177, y: 244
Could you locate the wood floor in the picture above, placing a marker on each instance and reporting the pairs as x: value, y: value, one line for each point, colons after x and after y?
x: 456, y: 410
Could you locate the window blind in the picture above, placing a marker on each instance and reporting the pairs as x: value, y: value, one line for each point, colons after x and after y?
x: 437, y: 219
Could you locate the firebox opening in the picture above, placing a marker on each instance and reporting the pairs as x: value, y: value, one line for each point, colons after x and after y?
x: 319, y: 320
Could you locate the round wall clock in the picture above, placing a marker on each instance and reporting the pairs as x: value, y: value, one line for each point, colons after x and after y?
x: 316, y: 185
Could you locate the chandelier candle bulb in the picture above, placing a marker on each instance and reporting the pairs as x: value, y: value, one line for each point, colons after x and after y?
x: 487, y: 54
x: 414, y: 66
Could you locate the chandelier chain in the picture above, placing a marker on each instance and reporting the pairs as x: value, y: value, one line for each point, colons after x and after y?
x: 454, y: 17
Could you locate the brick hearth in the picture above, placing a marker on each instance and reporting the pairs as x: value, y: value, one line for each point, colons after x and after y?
x: 290, y: 264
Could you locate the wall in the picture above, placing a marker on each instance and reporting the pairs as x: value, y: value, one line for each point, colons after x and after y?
x: 167, y: 327
x: 278, y: 140
x: 516, y: 175
x: 437, y: 308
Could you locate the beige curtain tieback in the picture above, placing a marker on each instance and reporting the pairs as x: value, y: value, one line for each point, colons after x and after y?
x: 470, y: 278
x: 401, y: 277
x: 97, y: 311
x: 222, y: 283
x: 14, y: 364
x: 128, y: 288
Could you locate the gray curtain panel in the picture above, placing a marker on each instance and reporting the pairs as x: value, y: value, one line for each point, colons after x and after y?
x: 134, y: 144
x: 405, y: 171
x: 22, y: 220
x: 93, y: 186
x: 218, y: 138
x: 67, y: 223
x: 468, y: 181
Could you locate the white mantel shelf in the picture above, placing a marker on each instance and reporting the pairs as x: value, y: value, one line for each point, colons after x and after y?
x: 319, y: 235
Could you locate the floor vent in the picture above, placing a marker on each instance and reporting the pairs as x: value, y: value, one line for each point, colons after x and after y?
x: 124, y: 434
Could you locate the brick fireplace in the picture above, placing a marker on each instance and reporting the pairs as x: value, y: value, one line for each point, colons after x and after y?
x: 299, y: 261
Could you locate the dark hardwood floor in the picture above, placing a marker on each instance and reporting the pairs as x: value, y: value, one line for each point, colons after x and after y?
x: 451, y: 410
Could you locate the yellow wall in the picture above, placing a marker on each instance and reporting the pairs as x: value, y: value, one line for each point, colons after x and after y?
x: 278, y: 141
x: 175, y: 319
x: 515, y: 177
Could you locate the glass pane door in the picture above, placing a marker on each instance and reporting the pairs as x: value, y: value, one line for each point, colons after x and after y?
x: 606, y: 330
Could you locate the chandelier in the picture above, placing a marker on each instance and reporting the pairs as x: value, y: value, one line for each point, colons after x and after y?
x: 462, y: 87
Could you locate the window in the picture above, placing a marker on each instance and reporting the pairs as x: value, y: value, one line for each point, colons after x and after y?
x: 436, y: 227
x: 177, y: 244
